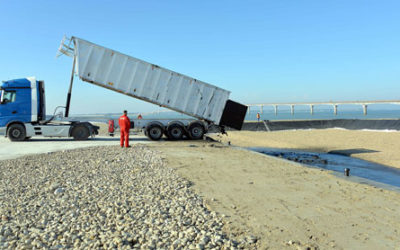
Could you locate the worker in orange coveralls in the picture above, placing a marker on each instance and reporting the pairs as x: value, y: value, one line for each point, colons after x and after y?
x: 124, y: 126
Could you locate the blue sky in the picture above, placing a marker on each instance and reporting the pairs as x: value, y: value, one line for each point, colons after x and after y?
x: 261, y: 51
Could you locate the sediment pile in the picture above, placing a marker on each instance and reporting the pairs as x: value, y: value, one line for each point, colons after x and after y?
x: 104, y: 197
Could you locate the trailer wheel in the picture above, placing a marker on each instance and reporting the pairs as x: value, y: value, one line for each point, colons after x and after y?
x: 175, y: 131
x: 80, y: 132
x: 196, y: 131
x: 154, y: 132
x: 16, y: 132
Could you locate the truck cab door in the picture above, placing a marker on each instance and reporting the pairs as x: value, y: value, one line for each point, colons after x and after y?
x: 10, y: 108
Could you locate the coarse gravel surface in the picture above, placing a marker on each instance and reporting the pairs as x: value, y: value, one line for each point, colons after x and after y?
x: 105, y: 197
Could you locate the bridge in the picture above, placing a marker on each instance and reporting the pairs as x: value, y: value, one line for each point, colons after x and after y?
x: 335, y: 104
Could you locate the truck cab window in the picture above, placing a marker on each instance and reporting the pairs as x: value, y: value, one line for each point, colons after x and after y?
x: 8, y: 96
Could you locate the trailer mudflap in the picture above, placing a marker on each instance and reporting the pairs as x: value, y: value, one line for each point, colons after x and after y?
x: 233, y: 115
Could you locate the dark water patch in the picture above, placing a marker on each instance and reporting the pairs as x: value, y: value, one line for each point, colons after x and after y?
x: 374, y: 172
x: 349, y: 152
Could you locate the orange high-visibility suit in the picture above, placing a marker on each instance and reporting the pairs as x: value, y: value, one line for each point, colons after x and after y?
x: 124, y: 125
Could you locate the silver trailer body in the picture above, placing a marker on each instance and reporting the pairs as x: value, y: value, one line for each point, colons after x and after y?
x: 137, y: 78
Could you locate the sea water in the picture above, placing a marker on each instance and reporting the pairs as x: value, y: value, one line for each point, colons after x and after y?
x: 324, y: 113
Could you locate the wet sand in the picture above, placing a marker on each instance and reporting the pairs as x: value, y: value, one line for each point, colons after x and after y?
x: 286, y: 205
x: 375, y: 146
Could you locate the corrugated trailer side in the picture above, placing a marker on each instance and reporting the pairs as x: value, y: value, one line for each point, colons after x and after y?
x: 134, y: 77
x: 149, y: 82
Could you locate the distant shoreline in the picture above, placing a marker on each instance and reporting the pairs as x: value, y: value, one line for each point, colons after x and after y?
x: 352, y: 124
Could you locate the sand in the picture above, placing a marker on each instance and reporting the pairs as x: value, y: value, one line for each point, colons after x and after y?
x: 284, y: 204
x: 289, y: 206
x: 375, y: 146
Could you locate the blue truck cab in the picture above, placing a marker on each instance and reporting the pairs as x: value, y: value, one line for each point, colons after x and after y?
x: 23, y: 113
x: 22, y: 100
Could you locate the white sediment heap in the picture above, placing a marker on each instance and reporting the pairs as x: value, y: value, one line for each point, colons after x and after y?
x: 105, y: 197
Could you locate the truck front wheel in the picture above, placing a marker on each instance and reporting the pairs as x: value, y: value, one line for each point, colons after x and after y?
x: 16, y: 132
x: 80, y: 132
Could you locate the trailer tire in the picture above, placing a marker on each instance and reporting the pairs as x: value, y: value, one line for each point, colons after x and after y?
x: 16, y: 132
x: 80, y: 132
x: 154, y: 132
x: 196, y: 130
x: 175, y: 131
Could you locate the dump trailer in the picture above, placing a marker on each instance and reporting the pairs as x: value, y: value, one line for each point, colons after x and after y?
x: 131, y: 76
x: 23, y: 109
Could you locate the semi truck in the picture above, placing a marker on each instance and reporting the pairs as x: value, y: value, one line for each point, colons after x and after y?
x: 23, y: 111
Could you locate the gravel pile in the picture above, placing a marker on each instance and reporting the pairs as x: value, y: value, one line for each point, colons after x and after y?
x: 104, y: 197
